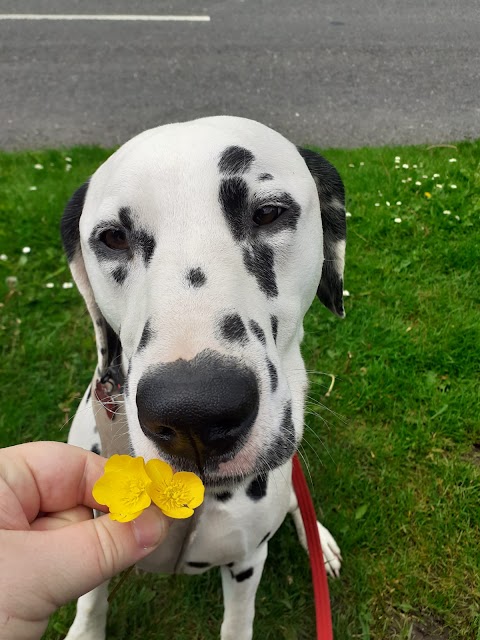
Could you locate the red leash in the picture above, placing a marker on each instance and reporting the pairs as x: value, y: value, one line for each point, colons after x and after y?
x: 319, y: 575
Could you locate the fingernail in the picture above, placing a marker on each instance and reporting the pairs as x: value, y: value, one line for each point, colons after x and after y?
x: 150, y: 528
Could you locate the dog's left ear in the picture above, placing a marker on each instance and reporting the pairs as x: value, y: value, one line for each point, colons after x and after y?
x: 331, y: 194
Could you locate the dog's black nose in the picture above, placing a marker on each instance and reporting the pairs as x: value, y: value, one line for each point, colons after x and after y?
x: 198, y: 408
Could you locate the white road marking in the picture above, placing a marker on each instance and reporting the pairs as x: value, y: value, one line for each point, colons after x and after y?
x: 99, y: 17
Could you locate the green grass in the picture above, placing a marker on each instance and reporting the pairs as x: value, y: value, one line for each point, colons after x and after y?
x: 394, y: 460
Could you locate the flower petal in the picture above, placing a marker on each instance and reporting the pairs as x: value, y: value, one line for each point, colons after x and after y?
x: 117, y: 463
x: 159, y: 472
x: 125, y: 517
x: 177, y: 512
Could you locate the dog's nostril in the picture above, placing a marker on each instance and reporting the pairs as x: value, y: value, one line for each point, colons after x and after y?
x: 166, y: 433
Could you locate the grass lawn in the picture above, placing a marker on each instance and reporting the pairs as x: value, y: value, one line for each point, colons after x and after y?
x: 393, y: 451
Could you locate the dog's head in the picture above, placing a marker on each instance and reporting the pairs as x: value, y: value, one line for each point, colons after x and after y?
x: 198, y: 248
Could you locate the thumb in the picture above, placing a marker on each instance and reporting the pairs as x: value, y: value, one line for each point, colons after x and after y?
x: 79, y: 557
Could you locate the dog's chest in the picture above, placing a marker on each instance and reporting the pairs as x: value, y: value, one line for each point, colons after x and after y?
x: 229, y: 528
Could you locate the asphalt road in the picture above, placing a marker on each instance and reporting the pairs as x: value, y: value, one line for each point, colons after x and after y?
x: 334, y: 73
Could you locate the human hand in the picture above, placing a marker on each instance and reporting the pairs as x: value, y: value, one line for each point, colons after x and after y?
x: 51, y: 550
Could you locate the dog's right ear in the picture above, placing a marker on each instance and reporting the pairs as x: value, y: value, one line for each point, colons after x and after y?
x: 70, y: 232
x: 331, y: 195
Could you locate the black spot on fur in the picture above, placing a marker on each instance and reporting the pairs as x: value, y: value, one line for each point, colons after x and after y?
x: 233, y: 196
x: 258, y: 331
x: 274, y: 322
x: 119, y: 274
x: 264, y: 539
x: 235, y: 160
x: 196, y: 277
x: 233, y: 329
x: 223, y: 497
x: 244, y: 575
x: 259, y: 261
x: 141, y: 239
x: 125, y: 215
x: 199, y: 565
x: 103, y: 351
x: 69, y: 226
x: 265, y: 176
x: 146, y: 242
x: 230, y: 565
x: 95, y: 449
x: 147, y: 333
x: 273, y: 375
x: 283, y: 446
x: 89, y: 393
x: 257, y: 489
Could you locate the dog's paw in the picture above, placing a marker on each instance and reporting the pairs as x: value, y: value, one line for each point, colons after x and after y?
x: 331, y: 552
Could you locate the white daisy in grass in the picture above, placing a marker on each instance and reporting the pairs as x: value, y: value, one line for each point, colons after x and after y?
x: 409, y: 179
x: 387, y: 203
x: 351, y: 165
x: 348, y: 214
x: 453, y: 186
x: 67, y: 285
x: 68, y: 167
x: 377, y: 204
x: 439, y: 186
x: 38, y: 166
x: 405, y: 166
x: 398, y: 203
x: 346, y: 293
x: 32, y: 188
x: 397, y: 158
x: 452, y: 159
x: 398, y: 220
x: 436, y: 175
x: 457, y: 217
x: 26, y: 250
x: 67, y: 159
x: 415, y: 166
x: 418, y: 183
x: 404, y: 181
x: 49, y: 285
x: 447, y: 212
x: 425, y: 177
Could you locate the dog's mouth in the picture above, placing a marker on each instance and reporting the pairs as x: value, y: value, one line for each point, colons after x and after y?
x: 227, y: 469
x: 216, y: 468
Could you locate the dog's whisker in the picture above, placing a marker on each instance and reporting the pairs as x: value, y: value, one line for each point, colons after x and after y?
x: 321, y: 441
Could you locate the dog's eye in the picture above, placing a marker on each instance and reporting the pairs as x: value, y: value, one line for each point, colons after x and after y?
x: 267, y: 214
x: 115, y: 239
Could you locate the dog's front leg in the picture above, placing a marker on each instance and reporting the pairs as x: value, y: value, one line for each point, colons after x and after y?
x: 91, y: 618
x: 240, y: 582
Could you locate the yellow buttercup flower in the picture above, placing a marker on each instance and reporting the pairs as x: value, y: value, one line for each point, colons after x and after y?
x: 123, y: 488
x: 176, y: 494
x: 128, y: 486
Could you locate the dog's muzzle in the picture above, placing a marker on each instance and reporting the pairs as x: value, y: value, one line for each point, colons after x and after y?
x: 198, y: 409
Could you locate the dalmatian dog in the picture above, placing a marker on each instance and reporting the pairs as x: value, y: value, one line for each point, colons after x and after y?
x: 198, y: 248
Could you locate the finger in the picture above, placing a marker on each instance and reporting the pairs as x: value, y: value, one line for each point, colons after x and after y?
x: 73, y: 560
x: 61, y: 519
x: 46, y: 476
